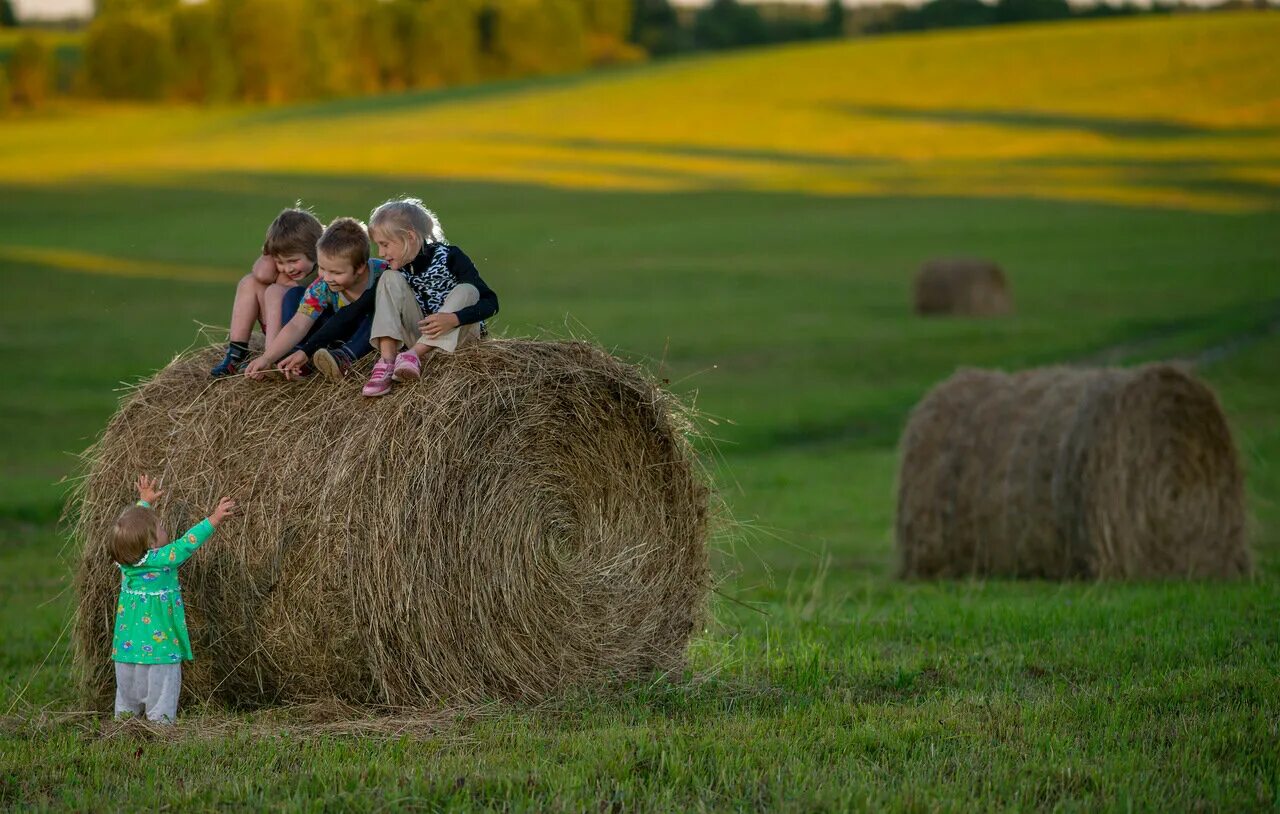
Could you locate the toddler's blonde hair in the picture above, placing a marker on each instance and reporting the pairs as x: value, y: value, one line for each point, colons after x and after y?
x: 400, y: 216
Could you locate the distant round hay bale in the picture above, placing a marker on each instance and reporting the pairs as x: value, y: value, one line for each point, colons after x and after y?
x: 962, y: 286
x: 528, y: 518
x: 1066, y: 473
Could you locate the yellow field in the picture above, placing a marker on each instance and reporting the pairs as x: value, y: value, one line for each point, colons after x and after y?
x: 1172, y: 111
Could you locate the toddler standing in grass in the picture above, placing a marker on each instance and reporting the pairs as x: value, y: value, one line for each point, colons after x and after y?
x: 270, y: 293
x: 431, y: 297
x: 150, y: 639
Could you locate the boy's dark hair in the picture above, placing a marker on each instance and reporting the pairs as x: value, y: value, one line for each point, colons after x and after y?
x: 346, y: 238
x: 132, y: 535
x: 294, y: 231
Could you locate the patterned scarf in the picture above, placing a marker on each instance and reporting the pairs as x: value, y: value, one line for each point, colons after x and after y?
x: 429, y: 277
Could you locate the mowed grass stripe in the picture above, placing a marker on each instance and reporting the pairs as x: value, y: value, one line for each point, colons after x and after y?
x: 103, y: 265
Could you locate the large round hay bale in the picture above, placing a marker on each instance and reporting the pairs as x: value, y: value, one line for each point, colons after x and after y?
x: 528, y: 518
x: 1067, y: 472
x: 962, y: 286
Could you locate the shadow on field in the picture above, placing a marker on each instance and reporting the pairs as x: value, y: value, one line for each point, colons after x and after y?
x: 1112, y: 128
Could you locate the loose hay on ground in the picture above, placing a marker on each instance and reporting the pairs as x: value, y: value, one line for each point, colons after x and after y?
x: 1065, y: 472
x: 527, y: 519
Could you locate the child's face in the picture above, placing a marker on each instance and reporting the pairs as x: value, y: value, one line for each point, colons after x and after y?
x: 293, y: 266
x: 397, y: 250
x: 161, y: 539
x: 338, y: 272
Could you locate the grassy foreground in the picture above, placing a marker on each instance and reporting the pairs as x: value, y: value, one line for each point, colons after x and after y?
x: 781, y: 309
x: 839, y: 687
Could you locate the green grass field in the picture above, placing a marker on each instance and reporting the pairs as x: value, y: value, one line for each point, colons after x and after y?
x: 822, y: 683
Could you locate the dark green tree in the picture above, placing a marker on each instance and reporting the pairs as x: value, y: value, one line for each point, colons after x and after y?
x: 7, y: 18
x: 833, y: 21
x: 1017, y: 11
x: 656, y: 28
x: 948, y: 14
x: 729, y: 24
x: 135, y: 6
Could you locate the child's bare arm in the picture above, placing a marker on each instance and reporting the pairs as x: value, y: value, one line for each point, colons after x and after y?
x: 264, y: 270
x: 291, y: 334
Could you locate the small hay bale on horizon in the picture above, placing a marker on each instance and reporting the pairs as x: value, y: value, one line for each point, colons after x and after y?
x: 962, y: 287
x: 529, y: 518
x: 1062, y: 473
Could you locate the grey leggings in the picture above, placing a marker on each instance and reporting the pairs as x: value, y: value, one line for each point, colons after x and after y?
x: 153, y: 686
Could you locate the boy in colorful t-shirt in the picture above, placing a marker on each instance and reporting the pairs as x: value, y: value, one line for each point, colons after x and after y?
x: 346, y: 277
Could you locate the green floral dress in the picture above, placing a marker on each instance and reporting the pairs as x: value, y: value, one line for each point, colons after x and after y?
x: 150, y: 622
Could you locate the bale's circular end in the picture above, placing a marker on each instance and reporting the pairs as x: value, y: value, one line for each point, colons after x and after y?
x: 961, y: 287
x: 528, y: 518
x: 1167, y: 492
x: 1064, y: 472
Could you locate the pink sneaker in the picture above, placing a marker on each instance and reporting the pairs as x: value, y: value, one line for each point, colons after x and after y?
x: 408, y: 368
x: 379, y: 380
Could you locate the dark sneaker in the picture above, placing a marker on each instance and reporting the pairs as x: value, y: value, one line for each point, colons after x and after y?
x: 231, y: 365
x: 334, y: 365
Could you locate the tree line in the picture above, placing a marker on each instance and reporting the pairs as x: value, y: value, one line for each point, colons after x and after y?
x: 275, y: 51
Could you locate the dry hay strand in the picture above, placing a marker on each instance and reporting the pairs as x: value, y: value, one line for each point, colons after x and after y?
x: 528, y: 518
x: 1063, y: 473
x: 961, y: 286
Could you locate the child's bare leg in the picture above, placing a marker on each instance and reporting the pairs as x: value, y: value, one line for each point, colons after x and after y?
x: 272, y: 301
x: 245, y: 311
x: 247, y: 306
x: 388, y: 347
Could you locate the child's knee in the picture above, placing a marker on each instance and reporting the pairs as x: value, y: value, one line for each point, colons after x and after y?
x: 392, y: 279
x: 275, y: 294
x: 249, y: 283
x: 460, y: 296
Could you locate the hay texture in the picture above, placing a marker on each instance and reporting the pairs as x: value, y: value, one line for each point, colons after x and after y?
x: 1071, y: 473
x: 528, y: 518
x: 962, y: 287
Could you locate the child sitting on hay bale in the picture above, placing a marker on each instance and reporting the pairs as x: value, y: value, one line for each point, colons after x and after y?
x: 150, y: 639
x: 269, y: 293
x: 347, y: 278
x: 431, y: 297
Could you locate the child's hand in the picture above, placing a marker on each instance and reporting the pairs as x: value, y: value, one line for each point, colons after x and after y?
x: 226, y: 507
x: 293, y: 364
x: 256, y: 367
x: 148, y: 488
x: 436, y: 325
